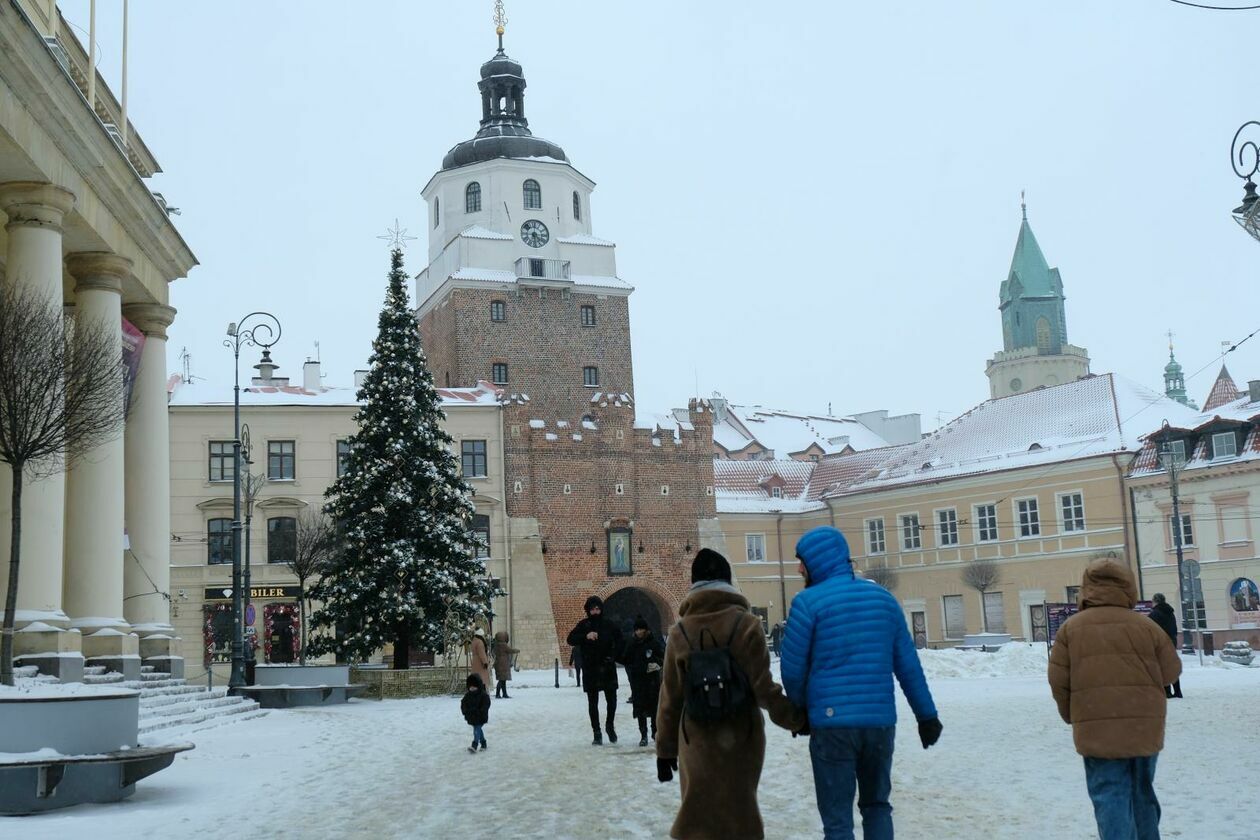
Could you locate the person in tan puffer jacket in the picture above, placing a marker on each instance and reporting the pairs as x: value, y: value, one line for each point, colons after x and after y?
x: 1108, y: 669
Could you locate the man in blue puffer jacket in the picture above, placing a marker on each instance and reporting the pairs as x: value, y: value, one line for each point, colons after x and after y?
x: 845, y: 640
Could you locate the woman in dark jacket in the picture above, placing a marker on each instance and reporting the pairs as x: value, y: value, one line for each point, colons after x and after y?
x: 643, y: 656
x: 1163, y: 615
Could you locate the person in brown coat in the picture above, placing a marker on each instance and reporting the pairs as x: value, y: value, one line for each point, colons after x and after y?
x: 719, y: 762
x: 1108, y: 669
x: 503, y: 653
x: 479, y: 662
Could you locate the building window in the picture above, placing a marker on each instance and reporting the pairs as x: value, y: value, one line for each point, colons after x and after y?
x: 994, y: 613
x: 499, y: 373
x: 875, y: 543
x: 1177, y: 448
x: 947, y: 526
x: 472, y: 198
x: 577, y: 206
x: 281, y: 539
x: 1224, y: 445
x: 1072, y: 506
x: 498, y: 310
x: 222, y: 460
x: 1187, y: 530
x: 343, y: 457
x: 533, y: 194
x: 437, y: 211
x: 955, y: 624
x: 590, y: 376
x: 473, y: 458
x: 755, y: 547
x: 910, y: 537
x: 219, y: 541
x: 1073, y: 594
x: 986, y: 523
x: 1029, y: 518
x: 481, y: 535
x: 280, y: 460
x: 776, y: 492
x: 588, y: 316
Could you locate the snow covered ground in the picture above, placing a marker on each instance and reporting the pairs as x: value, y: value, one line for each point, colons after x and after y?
x: 1004, y: 768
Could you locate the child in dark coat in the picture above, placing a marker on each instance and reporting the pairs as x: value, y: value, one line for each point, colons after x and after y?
x: 476, y: 708
x: 643, y: 656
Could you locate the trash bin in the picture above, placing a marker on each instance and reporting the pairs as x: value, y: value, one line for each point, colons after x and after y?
x: 1209, y: 644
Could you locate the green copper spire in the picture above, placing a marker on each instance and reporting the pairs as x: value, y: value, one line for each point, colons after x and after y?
x: 1174, y: 378
x: 1031, y: 298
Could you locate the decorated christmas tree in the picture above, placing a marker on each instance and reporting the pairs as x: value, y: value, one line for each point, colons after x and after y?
x: 406, y: 564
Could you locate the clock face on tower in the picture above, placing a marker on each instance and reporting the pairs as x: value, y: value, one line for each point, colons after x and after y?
x: 534, y: 233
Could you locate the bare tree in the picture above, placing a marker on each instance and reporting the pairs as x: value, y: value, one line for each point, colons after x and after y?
x: 61, y: 396
x: 982, y: 575
x: 314, y: 544
x: 883, y: 575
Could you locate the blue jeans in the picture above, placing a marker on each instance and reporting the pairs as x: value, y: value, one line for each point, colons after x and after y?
x: 846, y: 760
x: 1123, y: 793
x: 479, y: 737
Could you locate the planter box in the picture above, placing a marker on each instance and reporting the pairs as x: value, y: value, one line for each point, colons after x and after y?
x: 266, y: 676
x: 87, y: 721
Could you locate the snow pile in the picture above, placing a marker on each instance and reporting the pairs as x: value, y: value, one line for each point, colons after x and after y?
x: 1011, y: 660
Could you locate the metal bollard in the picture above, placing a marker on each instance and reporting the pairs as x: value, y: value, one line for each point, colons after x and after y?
x: 557, y: 672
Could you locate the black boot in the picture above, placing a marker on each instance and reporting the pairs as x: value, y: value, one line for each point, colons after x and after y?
x: 642, y: 732
x: 612, y: 733
x: 598, y: 740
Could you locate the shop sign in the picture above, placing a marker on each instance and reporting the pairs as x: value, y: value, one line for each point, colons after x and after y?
x: 256, y: 593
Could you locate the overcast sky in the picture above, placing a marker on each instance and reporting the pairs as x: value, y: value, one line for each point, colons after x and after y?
x: 815, y: 201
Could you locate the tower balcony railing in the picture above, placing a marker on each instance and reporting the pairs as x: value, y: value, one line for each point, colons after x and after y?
x: 541, y: 268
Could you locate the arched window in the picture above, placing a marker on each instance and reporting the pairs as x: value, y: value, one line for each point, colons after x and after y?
x: 577, y: 206
x: 1043, y: 336
x: 281, y: 539
x: 472, y: 198
x: 533, y: 195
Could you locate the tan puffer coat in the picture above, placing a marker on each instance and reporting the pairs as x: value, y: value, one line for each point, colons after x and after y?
x: 1108, y: 669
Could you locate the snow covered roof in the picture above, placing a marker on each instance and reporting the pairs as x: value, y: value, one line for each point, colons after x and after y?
x: 1196, y: 429
x: 787, y: 433
x: 479, y: 232
x: 1223, y: 391
x: 200, y: 392
x: 584, y: 239
x: 743, y: 486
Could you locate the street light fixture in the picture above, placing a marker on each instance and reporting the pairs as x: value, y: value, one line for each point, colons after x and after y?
x: 258, y: 329
x: 1172, y: 462
x: 1245, y: 159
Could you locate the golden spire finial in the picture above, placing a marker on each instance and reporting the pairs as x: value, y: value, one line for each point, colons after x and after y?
x: 500, y: 20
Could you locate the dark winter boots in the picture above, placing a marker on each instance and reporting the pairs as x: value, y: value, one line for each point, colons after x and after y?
x: 598, y: 740
x: 612, y: 733
x: 643, y: 735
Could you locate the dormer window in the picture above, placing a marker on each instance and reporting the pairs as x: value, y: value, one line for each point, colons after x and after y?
x: 472, y: 198
x: 1224, y: 445
x: 1177, y: 449
x: 776, y: 492
x: 577, y: 206
x: 532, y: 194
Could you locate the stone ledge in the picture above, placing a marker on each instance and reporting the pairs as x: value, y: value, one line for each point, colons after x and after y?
x: 385, y: 684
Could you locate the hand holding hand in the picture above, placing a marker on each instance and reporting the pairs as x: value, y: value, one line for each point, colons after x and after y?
x: 930, y: 731
x: 592, y: 635
x: 665, y: 768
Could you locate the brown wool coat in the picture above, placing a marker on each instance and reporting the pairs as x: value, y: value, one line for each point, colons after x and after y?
x: 1108, y: 669
x: 503, y: 656
x: 720, y: 764
x: 479, y: 663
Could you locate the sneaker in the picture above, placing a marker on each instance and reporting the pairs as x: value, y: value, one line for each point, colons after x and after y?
x: 473, y: 748
x: 612, y: 734
x: 598, y: 741
x: 643, y: 741
x: 483, y: 746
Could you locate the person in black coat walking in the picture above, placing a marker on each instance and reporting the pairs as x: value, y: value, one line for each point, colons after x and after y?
x: 1163, y: 615
x: 643, y: 656
x: 601, y: 646
x: 476, y: 708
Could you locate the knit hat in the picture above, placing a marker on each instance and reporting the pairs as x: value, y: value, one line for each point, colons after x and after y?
x: 709, y: 565
x: 1159, y: 598
x: 593, y: 602
x: 640, y: 623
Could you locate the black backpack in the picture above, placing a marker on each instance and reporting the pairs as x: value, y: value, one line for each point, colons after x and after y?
x: 717, y: 689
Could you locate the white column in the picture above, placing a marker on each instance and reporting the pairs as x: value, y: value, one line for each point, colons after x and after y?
x: 94, y: 483
x: 148, y: 479
x: 35, y: 212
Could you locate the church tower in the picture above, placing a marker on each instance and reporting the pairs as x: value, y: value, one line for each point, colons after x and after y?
x: 1175, y: 379
x: 1035, y: 351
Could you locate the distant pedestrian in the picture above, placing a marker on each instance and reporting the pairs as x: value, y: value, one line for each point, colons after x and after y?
x: 601, y: 645
x: 716, y: 679
x: 575, y: 662
x: 503, y: 653
x: 643, y: 656
x: 846, y: 641
x: 478, y: 660
x: 776, y: 639
x: 1108, y: 669
x: 1164, y: 616
x: 476, y: 708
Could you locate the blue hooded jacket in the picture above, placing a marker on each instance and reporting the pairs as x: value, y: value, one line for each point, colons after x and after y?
x: 845, y: 640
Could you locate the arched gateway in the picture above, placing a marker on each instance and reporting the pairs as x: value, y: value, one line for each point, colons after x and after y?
x: 622, y: 606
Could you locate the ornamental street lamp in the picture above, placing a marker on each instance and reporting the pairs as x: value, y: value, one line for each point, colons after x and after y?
x: 1245, y: 158
x: 253, y: 483
x: 258, y: 329
x: 1172, y: 461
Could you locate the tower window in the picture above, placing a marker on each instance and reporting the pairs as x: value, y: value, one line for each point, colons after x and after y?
x: 437, y: 211
x: 499, y: 373
x: 1043, y: 336
x: 590, y: 377
x: 498, y: 310
x: 472, y: 198
x: 588, y: 316
x: 533, y: 195
x: 577, y: 206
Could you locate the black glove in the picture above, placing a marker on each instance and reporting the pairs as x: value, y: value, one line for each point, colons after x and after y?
x: 665, y: 768
x: 803, y: 731
x: 930, y: 731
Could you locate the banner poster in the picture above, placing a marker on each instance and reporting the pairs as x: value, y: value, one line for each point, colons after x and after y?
x: 132, y: 344
x: 1244, y: 603
x: 1056, y: 614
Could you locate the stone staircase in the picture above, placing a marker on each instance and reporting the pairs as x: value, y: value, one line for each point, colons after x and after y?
x: 166, y: 703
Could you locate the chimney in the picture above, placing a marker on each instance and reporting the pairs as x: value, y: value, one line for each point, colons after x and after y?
x: 1253, y: 390
x: 360, y: 376
x: 310, y: 376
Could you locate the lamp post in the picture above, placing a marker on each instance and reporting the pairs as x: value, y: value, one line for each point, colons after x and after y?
x: 260, y: 329
x: 1172, y: 462
x: 253, y: 483
x: 1244, y: 157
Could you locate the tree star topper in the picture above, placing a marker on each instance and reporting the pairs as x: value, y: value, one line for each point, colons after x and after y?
x: 397, y: 237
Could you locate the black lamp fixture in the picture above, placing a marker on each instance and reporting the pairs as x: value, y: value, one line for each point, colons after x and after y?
x: 593, y: 549
x: 544, y: 547
x: 1245, y: 158
x: 640, y: 546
